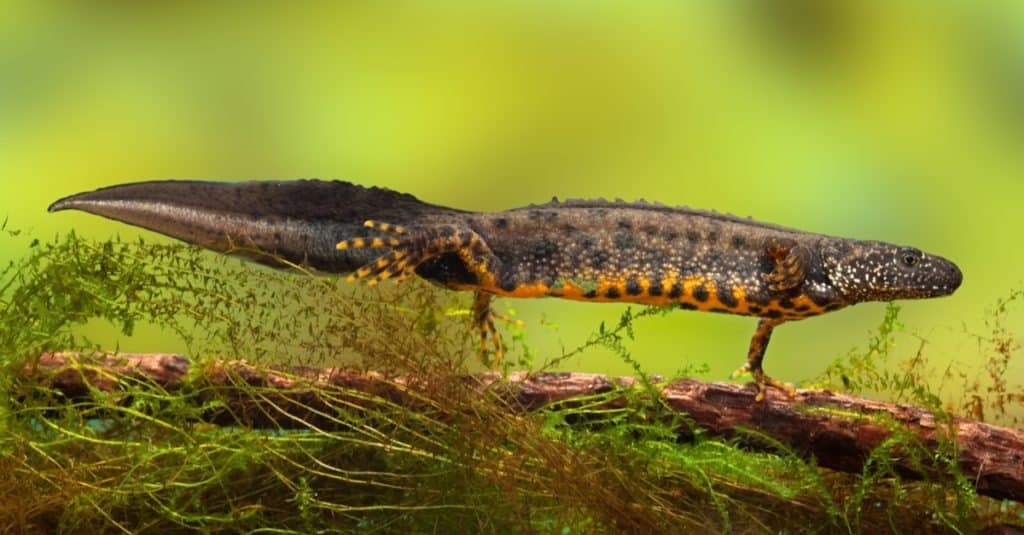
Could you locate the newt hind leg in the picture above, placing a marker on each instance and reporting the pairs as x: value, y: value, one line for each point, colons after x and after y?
x: 410, y: 247
x: 755, y: 358
x: 483, y: 320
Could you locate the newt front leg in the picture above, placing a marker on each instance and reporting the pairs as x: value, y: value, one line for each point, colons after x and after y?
x: 755, y: 356
x: 791, y: 262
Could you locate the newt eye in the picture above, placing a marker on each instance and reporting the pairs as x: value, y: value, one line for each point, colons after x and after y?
x: 909, y: 257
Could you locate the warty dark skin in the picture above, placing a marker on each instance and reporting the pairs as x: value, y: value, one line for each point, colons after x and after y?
x: 581, y: 250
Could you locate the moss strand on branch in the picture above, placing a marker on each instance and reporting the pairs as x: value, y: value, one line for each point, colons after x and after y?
x: 839, y: 431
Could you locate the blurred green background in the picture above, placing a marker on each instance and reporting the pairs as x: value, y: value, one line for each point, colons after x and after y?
x: 899, y: 121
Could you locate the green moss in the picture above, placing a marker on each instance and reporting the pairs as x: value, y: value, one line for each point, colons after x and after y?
x: 146, y: 459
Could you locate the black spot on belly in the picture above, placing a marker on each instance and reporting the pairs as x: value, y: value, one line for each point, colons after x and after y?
x: 718, y: 309
x: 676, y: 291
x: 633, y: 287
x: 650, y: 230
x: 654, y: 289
x: 569, y: 229
x: 590, y: 294
x: 692, y: 235
x: 624, y: 224
x: 671, y: 236
x: 700, y: 293
x: 773, y: 314
x: 832, y: 306
x: 786, y: 303
x: 612, y: 293
x: 712, y: 236
x: 726, y: 297
x: 754, y: 309
x: 500, y: 222
x: 687, y: 306
x: 738, y: 241
x: 801, y: 308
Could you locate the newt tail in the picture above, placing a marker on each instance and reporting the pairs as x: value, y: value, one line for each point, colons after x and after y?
x: 581, y: 250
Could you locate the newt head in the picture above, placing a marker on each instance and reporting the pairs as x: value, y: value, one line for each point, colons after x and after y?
x: 878, y: 271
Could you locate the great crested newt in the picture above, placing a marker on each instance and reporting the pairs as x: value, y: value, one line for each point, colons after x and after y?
x: 585, y: 250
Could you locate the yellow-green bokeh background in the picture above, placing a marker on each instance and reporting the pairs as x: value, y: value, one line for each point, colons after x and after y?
x: 900, y: 121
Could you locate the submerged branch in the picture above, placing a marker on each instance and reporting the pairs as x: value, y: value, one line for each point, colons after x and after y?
x: 840, y: 432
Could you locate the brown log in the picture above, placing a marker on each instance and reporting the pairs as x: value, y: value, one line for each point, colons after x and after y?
x: 838, y: 430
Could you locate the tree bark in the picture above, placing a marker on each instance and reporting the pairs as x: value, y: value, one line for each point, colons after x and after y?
x: 839, y: 431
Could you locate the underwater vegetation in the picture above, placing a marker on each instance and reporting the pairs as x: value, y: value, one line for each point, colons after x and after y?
x: 143, y: 458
